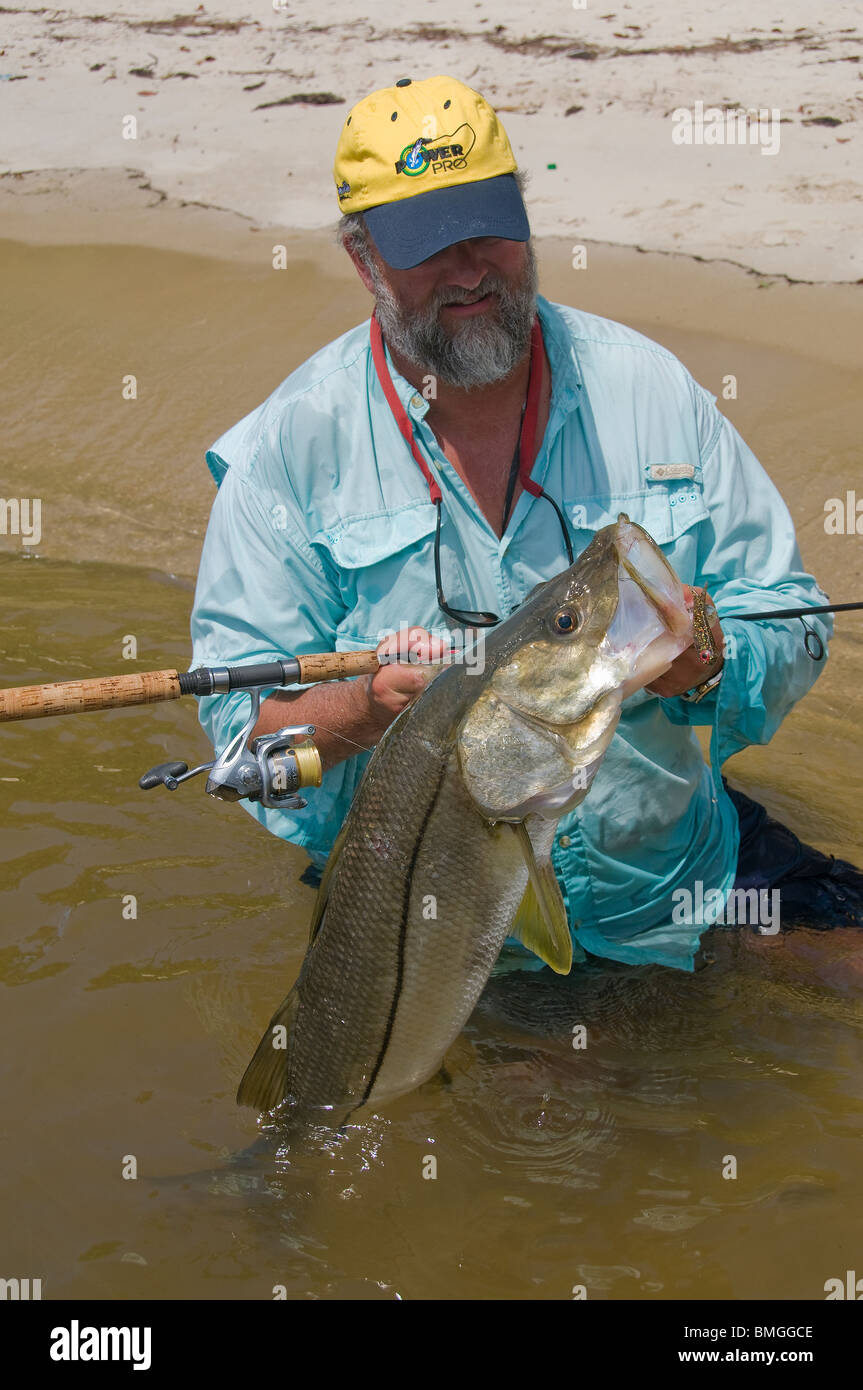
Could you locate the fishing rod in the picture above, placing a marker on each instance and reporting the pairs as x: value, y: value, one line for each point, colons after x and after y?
x: 150, y: 687
x: 273, y: 768
x: 794, y: 612
x: 812, y: 640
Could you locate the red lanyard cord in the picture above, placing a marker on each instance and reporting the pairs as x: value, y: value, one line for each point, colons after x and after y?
x: 527, y: 443
x: 398, y: 409
x: 527, y: 440
x: 525, y: 452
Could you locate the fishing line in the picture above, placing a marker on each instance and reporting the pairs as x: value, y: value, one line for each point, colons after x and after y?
x: 319, y: 725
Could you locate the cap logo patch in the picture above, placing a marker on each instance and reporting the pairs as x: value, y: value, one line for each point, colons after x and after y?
x: 444, y: 153
x: 343, y: 189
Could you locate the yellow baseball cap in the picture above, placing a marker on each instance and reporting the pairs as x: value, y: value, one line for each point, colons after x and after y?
x: 428, y: 163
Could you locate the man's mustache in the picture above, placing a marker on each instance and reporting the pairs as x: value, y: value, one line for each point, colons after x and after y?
x: 458, y: 295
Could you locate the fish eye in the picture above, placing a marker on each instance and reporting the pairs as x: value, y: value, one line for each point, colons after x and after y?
x: 565, y: 622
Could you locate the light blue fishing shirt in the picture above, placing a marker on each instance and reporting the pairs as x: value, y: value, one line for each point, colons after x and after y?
x: 321, y: 538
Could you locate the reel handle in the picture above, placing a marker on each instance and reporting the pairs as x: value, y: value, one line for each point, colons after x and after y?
x: 163, y: 775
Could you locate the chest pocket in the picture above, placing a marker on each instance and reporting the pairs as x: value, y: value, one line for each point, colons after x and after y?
x: 385, y: 565
x: 670, y: 512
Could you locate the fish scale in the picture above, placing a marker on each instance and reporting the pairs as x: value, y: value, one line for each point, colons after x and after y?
x: 449, y: 955
x: 371, y: 892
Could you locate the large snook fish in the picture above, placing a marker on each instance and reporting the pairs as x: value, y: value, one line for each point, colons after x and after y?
x: 445, y: 850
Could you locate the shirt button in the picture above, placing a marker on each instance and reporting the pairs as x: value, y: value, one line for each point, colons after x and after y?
x: 565, y: 842
x: 416, y: 400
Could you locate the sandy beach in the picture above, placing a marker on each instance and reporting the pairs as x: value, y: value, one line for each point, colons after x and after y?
x: 238, y: 105
x: 235, y: 111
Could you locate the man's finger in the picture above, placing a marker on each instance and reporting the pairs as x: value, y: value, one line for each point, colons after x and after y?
x: 415, y: 644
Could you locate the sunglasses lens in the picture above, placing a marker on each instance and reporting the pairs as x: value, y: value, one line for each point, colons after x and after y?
x: 484, y: 619
x: 471, y: 619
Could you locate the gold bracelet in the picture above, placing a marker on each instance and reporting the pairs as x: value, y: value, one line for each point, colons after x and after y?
x: 703, y: 639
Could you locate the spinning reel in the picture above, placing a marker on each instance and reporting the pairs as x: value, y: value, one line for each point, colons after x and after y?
x: 271, y: 770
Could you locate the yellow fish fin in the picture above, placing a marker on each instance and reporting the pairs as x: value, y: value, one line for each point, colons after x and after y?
x: 540, y: 922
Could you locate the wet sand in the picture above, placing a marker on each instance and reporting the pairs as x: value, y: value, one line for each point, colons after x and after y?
x: 208, y: 335
x: 130, y: 1034
x: 238, y: 106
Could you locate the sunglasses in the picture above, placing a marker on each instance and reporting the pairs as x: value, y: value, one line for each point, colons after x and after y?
x: 464, y: 615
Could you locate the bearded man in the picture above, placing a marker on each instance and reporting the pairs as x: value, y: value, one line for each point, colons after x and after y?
x: 428, y: 468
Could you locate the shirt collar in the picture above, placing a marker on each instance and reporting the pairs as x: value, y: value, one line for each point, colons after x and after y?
x: 413, y: 401
x: 566, y: 379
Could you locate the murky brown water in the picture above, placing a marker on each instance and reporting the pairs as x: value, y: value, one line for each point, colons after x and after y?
x: 127, y: 1037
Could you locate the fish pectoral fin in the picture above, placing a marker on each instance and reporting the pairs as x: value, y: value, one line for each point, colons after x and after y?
x: 265, y: 1080
x: 547, y: 936
x: 540, y: 922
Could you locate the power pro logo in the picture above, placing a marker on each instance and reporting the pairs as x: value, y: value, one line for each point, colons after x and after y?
x: 448, y: 152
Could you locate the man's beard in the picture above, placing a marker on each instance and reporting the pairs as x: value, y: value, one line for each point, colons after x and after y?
x: 477, y: 352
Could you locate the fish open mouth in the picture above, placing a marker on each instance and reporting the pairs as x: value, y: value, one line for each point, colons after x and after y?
x: 650, y: 628
x: 643, y: 560
x: 535, y: 739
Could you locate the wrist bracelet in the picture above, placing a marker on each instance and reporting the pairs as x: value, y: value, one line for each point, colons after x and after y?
x: 698, y: 692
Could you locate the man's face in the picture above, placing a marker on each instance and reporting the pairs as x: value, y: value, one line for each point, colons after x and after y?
x: 465, y: 314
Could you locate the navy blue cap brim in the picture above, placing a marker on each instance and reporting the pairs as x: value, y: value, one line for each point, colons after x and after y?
x: 412, y: 229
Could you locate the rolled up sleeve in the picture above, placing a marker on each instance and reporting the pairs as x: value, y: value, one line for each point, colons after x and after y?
x: 263, y: 593
x: 750, y: 562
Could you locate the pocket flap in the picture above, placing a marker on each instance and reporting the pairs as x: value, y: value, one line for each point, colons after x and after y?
x: 664, y: 512
x: 365, y: 540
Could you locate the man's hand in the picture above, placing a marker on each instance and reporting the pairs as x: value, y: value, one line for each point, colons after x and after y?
x: 687, y: 671
x: 351, y: 715
x: 397, y: 683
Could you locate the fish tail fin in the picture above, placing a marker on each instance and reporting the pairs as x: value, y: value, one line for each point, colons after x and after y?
x: 265, y: 1080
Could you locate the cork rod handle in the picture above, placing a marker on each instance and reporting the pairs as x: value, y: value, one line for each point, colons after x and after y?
x: 328, y: 666
x: 74, y: 697
x: 109, y: 692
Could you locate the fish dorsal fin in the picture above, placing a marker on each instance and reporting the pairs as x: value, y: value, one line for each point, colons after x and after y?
x: 540, y: 922
x: 325, y: 885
